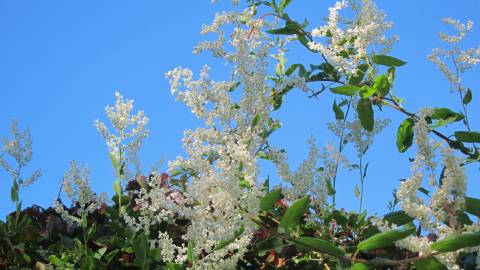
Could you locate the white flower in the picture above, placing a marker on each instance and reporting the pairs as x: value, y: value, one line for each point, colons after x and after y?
x: 361, y: 138
x: 460, y: 27
x: 76, y: 185
x: 454, y: 62
x: 347, y: 47
x: 449, y: 198
x: 129, y: 131
x: 303, y: 179
x: 19, y: 148
x: 424, y: 161
x: 220, y: 166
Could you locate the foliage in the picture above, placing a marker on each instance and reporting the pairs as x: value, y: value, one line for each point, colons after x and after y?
x: 210, y: 210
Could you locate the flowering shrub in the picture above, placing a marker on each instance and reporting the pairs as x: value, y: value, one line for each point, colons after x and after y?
x: 210, y: 210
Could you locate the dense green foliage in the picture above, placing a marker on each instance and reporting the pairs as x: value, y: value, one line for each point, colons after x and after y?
x: 288, y: 233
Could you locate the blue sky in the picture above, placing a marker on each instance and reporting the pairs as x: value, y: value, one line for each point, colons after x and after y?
x: 63, y: 60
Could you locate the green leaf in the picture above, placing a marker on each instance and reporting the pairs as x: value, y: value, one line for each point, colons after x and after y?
x: 358, y: 77
x: 365, y: 113
x: 174, y: 266
x: 124, y: 199
x: 468, y: 97
x: 367, y: 91
x: 234, y: 86
x: 26, y: 258
x: 280, y: 68
x: 359, y: 266
x: 468, y: 137
x: 264, y: 246
x: 227, y: 242
x: 381, y: 85
x: 99, y: 254
x: 445, y: 116
x: 155, y: 254
x: 141, y: 247
x: 66, y: 242
x: 457, y: 242
x: 346, y: 90
x: 110, y: 256
x: 429, y: 264
x: 405, y: 135
x: 464, y: 219
x: 424, y: 190
x: 330, y: 190
x: 190, y: 254
x: 319, y: 245
x: 339, y: 115
x: 304, y: 41
x: 244, y: 183
x: 263, y: 155
x: 255, y: 120
x: 292, y: 68
x: 277, y: 101
x: 340, y: 218
x: 269, y: 200
x: 388, y: 61
x: 283, y: 5
x: 387, y: 238
x: 122, y: 168
x: 472, y: 206
x: 117, y: 187
x: 84, y: 221
x: 14, y: 191
x: 175, y: 173
x: 398, y: 218
x: 114, y: 161
x: 356, y: 191
x: 283, y: 31
x: 292, y: 216
x: 390, y: 75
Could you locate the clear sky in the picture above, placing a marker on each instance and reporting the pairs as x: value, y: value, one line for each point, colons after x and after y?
x: 61, y: 62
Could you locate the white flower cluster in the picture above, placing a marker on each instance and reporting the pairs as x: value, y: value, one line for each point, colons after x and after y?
x: 309, y: 178
x: 362, y: 138
x: 348, y: 47
x: 332, y: 158
x: 130, y: 130
x: 455, y: 61
x: 20, y: 149
x: 292, y: 81
x: 407, y: 192
x: 235, y: 2
x: 354, y: 132
x: 460, y: 27
x: 76, y: 185
x: 252, y: 38
x: 426, y: 148
x: 304, y: 178
x: 283, y: 81
x: 222, y: 194
x: 447, y: 200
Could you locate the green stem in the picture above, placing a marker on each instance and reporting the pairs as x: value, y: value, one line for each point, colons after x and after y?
x: 85, y: 236
x: 464, y: 106
x: 340, y: 149
x: 362, y: 180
